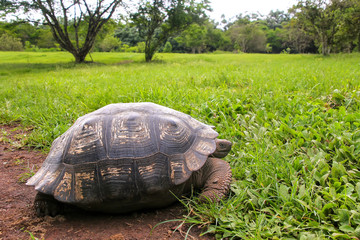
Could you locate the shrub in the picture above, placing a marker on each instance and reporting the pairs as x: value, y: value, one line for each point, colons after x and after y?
x: 140, y: 47
x: 10, y: 43
x: 110, y: 43
x: 167, y: 47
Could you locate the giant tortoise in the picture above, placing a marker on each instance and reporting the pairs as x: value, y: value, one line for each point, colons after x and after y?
x: 130, y: 156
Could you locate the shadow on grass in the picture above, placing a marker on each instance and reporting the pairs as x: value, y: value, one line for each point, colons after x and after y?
x: 22, y: 68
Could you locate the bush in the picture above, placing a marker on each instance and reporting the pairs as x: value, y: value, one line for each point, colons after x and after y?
x: 221, y: 52
x: 33, y: 48
x: 140, y: 47
x: 167, y: 48
x: 109, y: 44
x: 10, y: 43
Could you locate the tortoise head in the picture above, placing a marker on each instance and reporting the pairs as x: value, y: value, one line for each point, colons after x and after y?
x: 223, y: 147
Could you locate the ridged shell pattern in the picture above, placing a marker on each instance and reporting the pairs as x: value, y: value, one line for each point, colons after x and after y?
x: 124, y: 151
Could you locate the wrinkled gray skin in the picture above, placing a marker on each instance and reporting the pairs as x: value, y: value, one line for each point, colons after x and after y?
x: 213, y: 179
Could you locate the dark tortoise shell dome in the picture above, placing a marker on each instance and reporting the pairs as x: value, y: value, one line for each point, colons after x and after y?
x: 124, y: 151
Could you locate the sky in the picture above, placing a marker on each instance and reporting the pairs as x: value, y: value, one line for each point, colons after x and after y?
x: 231, y: 8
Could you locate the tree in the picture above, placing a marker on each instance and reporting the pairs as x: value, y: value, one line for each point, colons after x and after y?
x: 248, y: 37
x: 128, y: 35
x: 75, y: 24
x: 276, y: 40
x: 275, y: 19
x: 349, y: 30
x: 215, y: 37
x: 298, y: 39
x: 158, y: 20
x: 319, y: 17
x: 202, y: 37
x: 193, y: 37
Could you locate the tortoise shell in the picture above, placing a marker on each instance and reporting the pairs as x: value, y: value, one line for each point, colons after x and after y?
x: 124, y: 151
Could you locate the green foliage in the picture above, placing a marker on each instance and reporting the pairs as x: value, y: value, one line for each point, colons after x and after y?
x: 216, y: 39
x: 297, y: 38
x: 110, y: 43
x: 248, y: 38
x: 10, y: 43
x: 31, y: 36
x: 293, y: 119
x: 128, y: 35
x: 45, y: 39
x: 348, y: 34
x: 140, y: 47
x: 277, y: 39
x: 321, y: 19
x: 167, y: 47
x: 34, y: 48
x: 276, y: 19
x: 194, y: 37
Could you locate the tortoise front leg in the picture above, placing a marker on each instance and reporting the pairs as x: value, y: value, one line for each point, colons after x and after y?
x: 47, y: 205
x: 215, y: 178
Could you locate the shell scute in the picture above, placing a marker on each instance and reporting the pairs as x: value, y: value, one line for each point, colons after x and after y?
x: 194, y: 160
x: 174, y: 135
x: 64, y: 189
x: 153, y: 174
x: 86, y: 184
x: 179, y: 172
x: 87, y: 143
x: 50, y: 177
x: 131, y: 137
x: 117, y: 179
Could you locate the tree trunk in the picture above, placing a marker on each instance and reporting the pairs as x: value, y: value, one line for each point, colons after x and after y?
x: 79, y: 57
x: 149, y: 54
x: 151, y: 47
x: 148, y: 57
x: 324, y: 49
x: 324, y: 45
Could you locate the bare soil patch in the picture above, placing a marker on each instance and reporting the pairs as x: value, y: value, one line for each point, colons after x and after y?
x: 18, y: 219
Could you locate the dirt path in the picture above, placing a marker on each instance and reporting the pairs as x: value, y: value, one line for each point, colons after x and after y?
x: 18, y: 220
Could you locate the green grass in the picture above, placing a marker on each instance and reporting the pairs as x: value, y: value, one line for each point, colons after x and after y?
x: 294, y: 121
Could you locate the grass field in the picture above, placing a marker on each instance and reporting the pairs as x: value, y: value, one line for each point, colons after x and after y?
x: 294, y: 121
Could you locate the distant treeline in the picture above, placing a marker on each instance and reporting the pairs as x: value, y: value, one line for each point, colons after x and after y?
x: 311, y: 26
